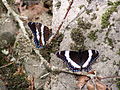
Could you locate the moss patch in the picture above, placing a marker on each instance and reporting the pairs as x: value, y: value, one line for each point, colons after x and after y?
x: 92, y: 35
x: 78, y: 38
x: 52, y: 47
x: 105, y: 17
x: 84, y: 25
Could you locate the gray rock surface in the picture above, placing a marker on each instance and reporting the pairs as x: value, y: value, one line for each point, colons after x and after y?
x: 108, y: 62
x: 7, y: 31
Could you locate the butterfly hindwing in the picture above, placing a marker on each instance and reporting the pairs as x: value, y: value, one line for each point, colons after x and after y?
x: 41, y: 33
x: 78, y: 61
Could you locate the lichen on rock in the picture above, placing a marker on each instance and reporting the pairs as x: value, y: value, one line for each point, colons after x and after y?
x: 83, y: 24
x: 105, y: 17
x: 92, y: 35
x: 78, y: 38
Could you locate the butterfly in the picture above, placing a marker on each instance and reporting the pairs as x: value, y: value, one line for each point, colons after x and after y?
x: 78, y: 61
x: 41, y: 33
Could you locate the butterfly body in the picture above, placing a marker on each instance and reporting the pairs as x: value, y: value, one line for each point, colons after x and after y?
x: 41, y: 33
x: 78, y: 61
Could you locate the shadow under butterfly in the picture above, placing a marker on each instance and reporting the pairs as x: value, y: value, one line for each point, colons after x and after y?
x: 41, y: 33
x: 78, y: 61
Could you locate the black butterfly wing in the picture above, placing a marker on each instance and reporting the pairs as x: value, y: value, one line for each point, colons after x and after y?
x: 71, y: 58
x: 33, y: 28
x: 41, y: 33
x: 88, y: 57
x: 61, y: 55
x: 47, y: 33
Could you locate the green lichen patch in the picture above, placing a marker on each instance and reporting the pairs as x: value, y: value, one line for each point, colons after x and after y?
x: 88, y: 11
x: 81, y: 6
x: 118, y: 52
x: 107, y: 33
x: 94, y: 16
x: 105, y: 17
x: 84, y: 25
x: 89, y: 1
x: 52, y: 47
x: 109, y: 41
x: 117, y: 3
x: 97, y: 9
x: 58, y: 4
x: 78, y: 38
x: 92, y: 35
x: 109, y: 3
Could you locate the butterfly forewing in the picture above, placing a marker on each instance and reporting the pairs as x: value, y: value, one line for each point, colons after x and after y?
x: 32, y: 27
x: 41, y: 33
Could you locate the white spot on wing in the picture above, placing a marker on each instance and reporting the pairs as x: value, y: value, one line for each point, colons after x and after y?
x: 42, y: 34
x: 37, y: 33
x: 71, y: 61
x: 88, y: 60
